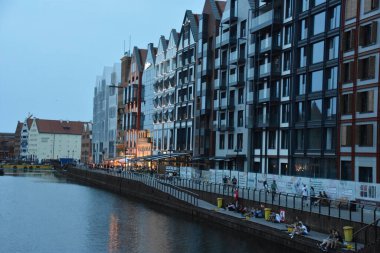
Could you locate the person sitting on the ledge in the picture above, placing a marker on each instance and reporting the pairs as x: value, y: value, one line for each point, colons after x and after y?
x: 300, y: 229
x: 231, y: 207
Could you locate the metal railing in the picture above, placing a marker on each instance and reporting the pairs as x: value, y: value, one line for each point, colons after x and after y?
x: 347, y: 210
x: 366, y: 231
x: 163, y: 185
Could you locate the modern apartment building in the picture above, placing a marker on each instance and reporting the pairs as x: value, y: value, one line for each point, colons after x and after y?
x: 132, y: 104
x: 232, y: 137
x: 359, y: 92
x: 147, y: 98
x: 164, y: 94
x: 86, y: 151
x: 186, y: 68
x: 105, y: 114
x: 204, y: 134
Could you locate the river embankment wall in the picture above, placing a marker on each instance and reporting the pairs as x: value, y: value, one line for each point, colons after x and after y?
x: 139, y: 190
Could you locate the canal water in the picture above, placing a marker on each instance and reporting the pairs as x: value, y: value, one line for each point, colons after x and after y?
x: 41, y: 213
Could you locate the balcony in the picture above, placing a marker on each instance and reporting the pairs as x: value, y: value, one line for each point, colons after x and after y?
x: 266, y: 120
x: 223, y: 125
x: 220, y: 84
x: 250, y: 97
x: 231, y: 104
x: 233, y: 56
x: 266, y: 95
x: 233, y: 80
x: 229, y: 15
x: 216, y: 104
x: 267, y: 44
x: 249, y: 122
x: 265, y: 19
x: 251, y: 73
x: 268, y: 69
x: 223, y: 103
x: 217, y: 63
x: 251, y: 49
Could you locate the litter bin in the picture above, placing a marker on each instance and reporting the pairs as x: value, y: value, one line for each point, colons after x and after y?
x: 220, y: 202
x: 267, y: 213
x: 348, y: 233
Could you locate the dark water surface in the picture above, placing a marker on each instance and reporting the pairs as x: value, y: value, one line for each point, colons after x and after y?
x: 40, y: 213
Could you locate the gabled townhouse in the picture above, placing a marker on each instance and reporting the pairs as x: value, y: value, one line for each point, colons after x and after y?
x: 165, y: 94
x: 204, y: 111
x: 232, y: 140
x: 185, y: 89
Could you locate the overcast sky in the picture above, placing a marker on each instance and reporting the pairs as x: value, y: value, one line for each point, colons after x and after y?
x: 52, y: 50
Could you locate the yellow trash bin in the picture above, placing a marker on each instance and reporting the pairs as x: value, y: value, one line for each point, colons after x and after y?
x: 348, y: 233
x: 220, y: 202
x: 267, y: 213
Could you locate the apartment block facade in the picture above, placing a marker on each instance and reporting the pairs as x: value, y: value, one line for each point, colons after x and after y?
x: 273, y: 87
x: 164, y: 94
x: 204, y: 133
x: 105, y: 107
x: 359, y: 91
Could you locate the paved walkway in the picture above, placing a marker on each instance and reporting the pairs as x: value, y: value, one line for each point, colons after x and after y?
x: 318, y: 237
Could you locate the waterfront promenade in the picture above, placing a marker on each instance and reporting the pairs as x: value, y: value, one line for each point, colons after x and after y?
x: 176, y: 189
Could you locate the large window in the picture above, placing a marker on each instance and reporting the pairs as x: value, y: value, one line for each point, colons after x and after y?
x: 315, y: 109
x: 330, y: 137
x: 348, y: 72
x: 285, y: 113
x: 364, y: 135
x: 221, y: 141
x: 304, y: 29
x: 272, y: 139
x: 273, y: 166
x: 316, y: 83
x: 301, y: 84
x: 300, y: 113
x: 240, y: 118
x: 349, y: 40
x: 319, y: 23
x: 334, y: 14
x: 370, y: 5
x: 285, y: 87
x: 230, y: 141
x: 284, y: 139
x: 331, y: 108
x: 365, y: 101
x: 366, y: 68
x: 318, y: 2
x: 332, y: 78
x: 288, y: 34
x: 351, y: 7
x: 318, y: 52
x: 333, y: 48
x: 314, y: 138
x: 305, y: 5
x: 299, y: 139
x: 288, y: 8
x: 346, y: 104
x: 239, y: 141
x: 302, y: 57
x: 345, y: 133
x: 365, y: 174
x: 345, y: 170
x: 368, y: 34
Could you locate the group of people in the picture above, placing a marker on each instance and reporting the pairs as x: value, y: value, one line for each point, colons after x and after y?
x: 333, y: 241
x: 298, y: 228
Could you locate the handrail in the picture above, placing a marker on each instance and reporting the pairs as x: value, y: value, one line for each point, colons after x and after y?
x: 366, y: 226
x: 179, y: 188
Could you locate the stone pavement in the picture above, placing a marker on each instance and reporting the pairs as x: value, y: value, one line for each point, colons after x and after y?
x: 318, y: 237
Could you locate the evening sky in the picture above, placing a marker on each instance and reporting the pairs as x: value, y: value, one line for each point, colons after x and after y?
x: 52, y: 50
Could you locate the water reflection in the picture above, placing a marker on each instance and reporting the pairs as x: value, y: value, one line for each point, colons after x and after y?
x: 46, y: 214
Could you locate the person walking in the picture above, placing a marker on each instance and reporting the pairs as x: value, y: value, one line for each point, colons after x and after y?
x: 304, y: 194
x: 273, y: 189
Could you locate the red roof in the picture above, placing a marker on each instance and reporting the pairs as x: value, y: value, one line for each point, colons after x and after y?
x: 59, y: 126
